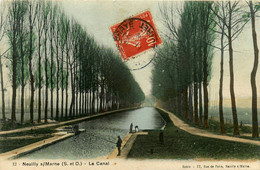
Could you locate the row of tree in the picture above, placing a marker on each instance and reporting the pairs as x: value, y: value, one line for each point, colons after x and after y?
x: 182, y: 68
x: 49, y: 50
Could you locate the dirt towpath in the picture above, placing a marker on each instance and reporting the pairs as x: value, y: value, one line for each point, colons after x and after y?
x: 200, y: 132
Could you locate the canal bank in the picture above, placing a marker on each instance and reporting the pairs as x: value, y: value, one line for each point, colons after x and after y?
x: 180, y: 144
x: 46, y: 142
x: 100, y: 136
x: 65, y: 122
x: 127, y: 144
x: 34, y: 146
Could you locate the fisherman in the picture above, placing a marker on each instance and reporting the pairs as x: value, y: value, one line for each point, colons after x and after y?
x: 131, y: 127
x: 118, y: 144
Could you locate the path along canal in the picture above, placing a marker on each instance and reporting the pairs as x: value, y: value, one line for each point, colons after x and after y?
x: 100, y: 136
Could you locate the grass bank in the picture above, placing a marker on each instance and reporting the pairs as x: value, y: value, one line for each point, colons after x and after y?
x: 32, y: 132
x: 179, y: 144
x: 11, y: 144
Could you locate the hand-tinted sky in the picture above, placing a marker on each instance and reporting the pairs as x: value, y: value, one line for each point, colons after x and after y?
x: 98, y: 16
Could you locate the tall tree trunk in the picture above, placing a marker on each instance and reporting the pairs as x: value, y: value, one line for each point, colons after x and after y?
x: 85, y: 96
x: 190, y: 103
x: 57, y: 77
x: 86, y: 103
x: 83, y: 102
x: 2, y: 89
x: 62, y: 84
x: 32, y: 91
x: 22, y: 83
x: 39, y: 88
x: 200, y: 104
x: 186, y: 107
x: 93, y: 101
x: 221, y: 115
x: 52, y: 65
x: 97, y: 97
x: 205, y: 87
x: 14, y: 86
x: 232, y: 91
x: 30, y: 63
x: 77, y: 90
x: 52, y: 88
x: 72, y: 93
x: 80, y: 103
x: 80, y: 91
x: 89, y: 104
x: 255, y: 133
x: 101, y: 98
x: 22, y: 104
x: 195, y: 75
x: 46, y: 81
x: 57, y: 87
x: 196, y: 103
x: 67, y: 84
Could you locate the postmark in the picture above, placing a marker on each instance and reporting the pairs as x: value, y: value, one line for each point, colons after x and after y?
x: 134, y: 36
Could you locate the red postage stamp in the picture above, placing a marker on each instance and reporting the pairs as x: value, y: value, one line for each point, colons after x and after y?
x: 135, y: 35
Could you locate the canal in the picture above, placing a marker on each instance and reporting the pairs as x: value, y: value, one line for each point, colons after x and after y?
x: 100, y: 136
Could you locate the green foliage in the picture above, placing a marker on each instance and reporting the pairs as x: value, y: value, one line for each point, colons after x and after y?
x: 39, y: 77
x: 49, y: 73
x: 179, y: 64
x: 257, y: 6
x: 63, y: 76
x: 79, y: 57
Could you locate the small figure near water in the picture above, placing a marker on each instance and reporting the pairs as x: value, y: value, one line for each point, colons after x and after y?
x: 75, y: 128
x: 161, y: 138
x: 136, y: 128
x: 118, y: 144
x: 131, y: 128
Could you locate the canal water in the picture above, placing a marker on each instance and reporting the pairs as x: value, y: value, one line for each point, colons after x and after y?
x: 100, y: 136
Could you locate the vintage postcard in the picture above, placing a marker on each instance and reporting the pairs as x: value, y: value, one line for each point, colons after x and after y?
x: 124, y: 84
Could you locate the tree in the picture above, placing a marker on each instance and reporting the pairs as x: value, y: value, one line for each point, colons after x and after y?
x: 253, y: 9
x: 190, y: 54
x: 57, y: 47
x: 219, y: 9
x: 53, y: 15
x: 46, y: 25
x: 2, y: 25
x: 22, y: 72
x: 39, y: 27
x: 32, y: 9
x: 64, y: 33
x: 16, y: 12
x: 207, y: 38
x: 234, y: 22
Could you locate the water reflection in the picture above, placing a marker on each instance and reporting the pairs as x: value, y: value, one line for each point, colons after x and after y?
x: 100, y: 136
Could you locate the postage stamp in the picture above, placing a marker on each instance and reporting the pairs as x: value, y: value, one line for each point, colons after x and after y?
x: 135, y: 35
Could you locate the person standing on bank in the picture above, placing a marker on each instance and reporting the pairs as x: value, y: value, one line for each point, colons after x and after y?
x: 131, y: 128
x: 118, y: 144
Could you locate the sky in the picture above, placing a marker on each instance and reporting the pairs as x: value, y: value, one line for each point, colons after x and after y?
x: 98, y: 16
